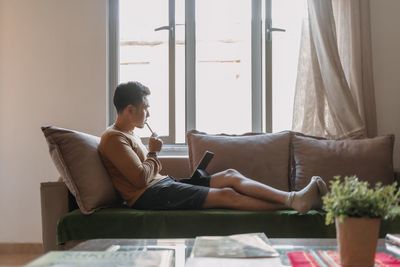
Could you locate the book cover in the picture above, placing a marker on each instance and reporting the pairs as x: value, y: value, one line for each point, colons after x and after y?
x: 156, y: 258
x: 331, y: 258
x: 393, y: 239
x: 179, y: 250
x: 254, y: 245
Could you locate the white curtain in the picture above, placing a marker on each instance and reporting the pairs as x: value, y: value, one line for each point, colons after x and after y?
x: 334, y: 95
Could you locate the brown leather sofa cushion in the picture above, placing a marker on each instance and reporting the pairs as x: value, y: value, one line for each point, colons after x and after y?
x: 370, y: 159
x: 261, y: 157
x: 76, y: 158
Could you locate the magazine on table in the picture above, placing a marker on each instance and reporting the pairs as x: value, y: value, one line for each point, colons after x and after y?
x: 178, y: 251
x: 253, y: 245
x: 154, y: 258
x: 393, y: 239
x: 392, y: 243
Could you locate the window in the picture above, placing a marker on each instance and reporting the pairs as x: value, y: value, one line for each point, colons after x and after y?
x: 216, y: 66
x: 290, y: 15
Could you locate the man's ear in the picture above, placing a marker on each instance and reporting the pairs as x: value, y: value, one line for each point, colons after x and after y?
x: 132, y: 109
x: 129, y: 110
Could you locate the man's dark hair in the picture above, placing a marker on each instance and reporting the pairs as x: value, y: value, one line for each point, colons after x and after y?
x: 130, y: 93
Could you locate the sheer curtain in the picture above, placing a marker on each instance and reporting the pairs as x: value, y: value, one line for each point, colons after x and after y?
x: 334, y: 95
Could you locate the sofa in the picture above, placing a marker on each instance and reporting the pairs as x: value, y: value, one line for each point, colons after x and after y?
x: 285, y: 160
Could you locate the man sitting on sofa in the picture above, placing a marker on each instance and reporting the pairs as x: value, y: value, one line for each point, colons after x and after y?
x: 134, y: 170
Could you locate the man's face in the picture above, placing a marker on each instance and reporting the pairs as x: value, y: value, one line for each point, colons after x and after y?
x: 140, y: 113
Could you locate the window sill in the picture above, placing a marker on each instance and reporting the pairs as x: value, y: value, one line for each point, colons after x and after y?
x: 174, y: 151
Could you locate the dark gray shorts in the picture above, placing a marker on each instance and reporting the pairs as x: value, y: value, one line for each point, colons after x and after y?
x: 171, y: 194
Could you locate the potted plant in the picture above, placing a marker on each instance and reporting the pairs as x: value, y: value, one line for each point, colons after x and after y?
x: 357, y: 210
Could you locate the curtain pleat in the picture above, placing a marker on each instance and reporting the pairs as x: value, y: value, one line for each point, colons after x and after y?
x: 334, y: 95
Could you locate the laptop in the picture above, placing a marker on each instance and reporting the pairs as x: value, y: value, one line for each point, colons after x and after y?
x: 201, y: 167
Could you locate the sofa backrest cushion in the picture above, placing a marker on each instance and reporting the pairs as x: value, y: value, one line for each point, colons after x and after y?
x: 370, y: 159
x: 261, y: 157
x: 77, y: 160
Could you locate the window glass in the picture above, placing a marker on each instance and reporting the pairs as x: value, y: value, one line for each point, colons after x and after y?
x: 223, y: 66
x: 180, y: 93
x: 223, y: 70
x: 144, y: 55
x: 285, y: 56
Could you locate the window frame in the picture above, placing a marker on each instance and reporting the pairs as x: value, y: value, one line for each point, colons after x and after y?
x: 112, y: 56
x: 256, y: 65
x: 268, y: 67
x: 261, y: 85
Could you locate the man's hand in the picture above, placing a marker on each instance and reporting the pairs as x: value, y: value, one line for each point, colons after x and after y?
x: 155, y: 144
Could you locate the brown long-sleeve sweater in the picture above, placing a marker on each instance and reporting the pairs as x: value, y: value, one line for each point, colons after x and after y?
x: 125, y: 158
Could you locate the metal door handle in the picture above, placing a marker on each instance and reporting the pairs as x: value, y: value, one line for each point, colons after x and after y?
x: 269, y: 31
x: 167, y: 28
x: 163, y: 28
x: 275, y: 30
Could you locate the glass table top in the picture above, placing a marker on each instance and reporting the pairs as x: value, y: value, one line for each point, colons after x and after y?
x: 183, y: 247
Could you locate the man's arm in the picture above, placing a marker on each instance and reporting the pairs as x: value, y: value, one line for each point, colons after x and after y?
x: 121, y: 154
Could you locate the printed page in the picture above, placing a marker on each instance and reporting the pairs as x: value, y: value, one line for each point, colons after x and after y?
x: 254, y: 245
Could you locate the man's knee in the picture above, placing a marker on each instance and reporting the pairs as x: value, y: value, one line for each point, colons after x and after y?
x: 227, y: 178
x: 234, y: 178
x: 231, y: 173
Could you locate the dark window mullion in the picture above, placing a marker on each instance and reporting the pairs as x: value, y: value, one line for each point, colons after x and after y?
x: 268, y: 67
x: 171, y: 73
x: 113, y: 56
x: 190, y: 64
x: 256, y: 66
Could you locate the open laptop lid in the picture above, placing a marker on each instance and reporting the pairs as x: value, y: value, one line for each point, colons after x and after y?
x: 203, y: 163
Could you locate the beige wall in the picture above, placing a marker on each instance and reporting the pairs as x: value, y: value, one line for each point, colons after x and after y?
x: 385, y: 21
x: 52, y: 71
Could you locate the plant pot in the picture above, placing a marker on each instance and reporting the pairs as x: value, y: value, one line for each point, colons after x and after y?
x: 357, y: 240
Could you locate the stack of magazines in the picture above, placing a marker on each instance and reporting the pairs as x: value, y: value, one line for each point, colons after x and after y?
x: 255, y: 245
x: 392, y: 242
x: 252, y: 249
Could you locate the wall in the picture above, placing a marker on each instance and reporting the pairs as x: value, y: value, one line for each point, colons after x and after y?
x: 386, y: 58
x: 52, y: 71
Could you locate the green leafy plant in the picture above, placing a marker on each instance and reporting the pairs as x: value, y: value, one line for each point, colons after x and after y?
x: 350, y: 197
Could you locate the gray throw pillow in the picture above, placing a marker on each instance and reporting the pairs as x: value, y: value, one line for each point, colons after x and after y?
x: 76, y: 157
x: 261, y: 157
x: 370, y: 159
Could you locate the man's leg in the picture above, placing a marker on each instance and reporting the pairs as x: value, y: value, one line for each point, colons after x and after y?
x: 230, y: 199
x: 241, y: 184
x: 301, y: 201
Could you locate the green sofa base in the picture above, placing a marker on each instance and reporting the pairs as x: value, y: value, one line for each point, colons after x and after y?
x: 130, y: 223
